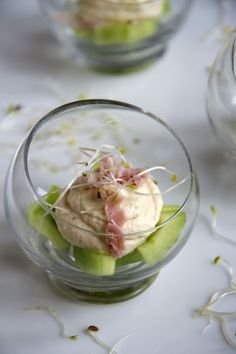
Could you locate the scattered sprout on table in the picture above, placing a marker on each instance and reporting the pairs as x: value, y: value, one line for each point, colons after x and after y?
x: 222, y: 317
x: 174, y: 178
x: 216, y: 260
x: 93, y: 332
x: 223, y: 9
x: 12, y: 108
x: 215, y: 233
x: 52, y: 312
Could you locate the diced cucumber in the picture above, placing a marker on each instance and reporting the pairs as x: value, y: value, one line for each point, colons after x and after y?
x: 170, y: 208
x: 120, y: 32
x: 158, y: 244
x: 94, y: 262
x: 132, y: 257
x: 53, y: 194
x: 46, y: 225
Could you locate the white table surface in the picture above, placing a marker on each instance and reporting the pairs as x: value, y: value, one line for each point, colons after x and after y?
x: 159, y: 320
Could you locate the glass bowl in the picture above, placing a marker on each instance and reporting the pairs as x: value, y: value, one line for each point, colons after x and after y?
x: 50, y: 157
x: 221, y: 96
x: 115, y: 35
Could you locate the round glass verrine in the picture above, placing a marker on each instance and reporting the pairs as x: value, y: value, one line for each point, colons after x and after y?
x: 115, y: 35
x: 221, y: 96
x: 51, y: 156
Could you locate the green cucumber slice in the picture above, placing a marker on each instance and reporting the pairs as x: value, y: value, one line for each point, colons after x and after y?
x: 53, y: 194
x: 158, y: 244
x: 120, y: 32
x: 170, y: 208
x: 46, y: 225
x: 132, y: 257
x: 94, y: 262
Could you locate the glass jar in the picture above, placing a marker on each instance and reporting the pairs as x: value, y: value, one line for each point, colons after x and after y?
x: 50, y: 156
x: 115, y: 35
x: 221, y: 96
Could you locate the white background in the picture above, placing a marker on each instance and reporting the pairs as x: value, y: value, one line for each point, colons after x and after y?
x: 159, y: 320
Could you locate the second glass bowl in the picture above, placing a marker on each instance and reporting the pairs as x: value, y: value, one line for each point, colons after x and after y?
x: 221, y: 96
x: 50, y: 157
x: 115, y: 35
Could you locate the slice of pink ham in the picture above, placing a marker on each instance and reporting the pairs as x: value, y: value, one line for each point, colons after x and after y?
x: 114, y: 212
x: 112, y: 168
x: 113, y: 228
x: 115, y: 243
x: 116, y: 219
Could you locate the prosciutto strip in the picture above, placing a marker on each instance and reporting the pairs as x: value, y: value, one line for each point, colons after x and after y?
x: 112, y: 169
x: 116, y: 219
x: 114, y: 212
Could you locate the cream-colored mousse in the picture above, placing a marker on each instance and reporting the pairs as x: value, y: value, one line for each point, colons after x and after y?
x: 120, y: 10
x: 99, y: 12
x: 81, y: 215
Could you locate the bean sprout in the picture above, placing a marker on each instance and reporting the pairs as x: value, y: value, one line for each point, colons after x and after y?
x: 221, y: 316
x: 52, y: 312
x: 215, y: 233
x: 93, y: 332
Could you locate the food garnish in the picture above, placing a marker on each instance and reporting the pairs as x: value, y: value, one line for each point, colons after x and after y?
x: 112, y: 351
x: 12, y: 108
x: 92, y: 331
x: 223, y: 8
x: 222, y: 317
x: 174, y: 179
x: 93, y: 328
x: 52, y: 312
x: 121, y: 175
x: 215, y: 233
x: 216, y: 260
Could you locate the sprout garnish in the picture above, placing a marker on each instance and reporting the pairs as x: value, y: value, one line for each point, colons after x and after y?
x: 122, y: 150
x: 174, y: 179
x: 112, y: 351
x: 71, y: 142
x: 55, y: 315
x: 108, y: 166
x: 215, y: 233
x: 225, y: 265
x: 93, y: 328
x: 93, y: 332
x: 213, y: 210
x: 216, y: 260
x: 210, y: 314
x: 106, y: 151
x: 226, y: 334
x: 12, y: 108
x: 223, y: 7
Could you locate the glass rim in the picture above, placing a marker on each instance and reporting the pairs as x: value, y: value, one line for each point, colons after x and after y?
x: 129, y: 2
x: 113, y: 104
x: 233, y: 56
